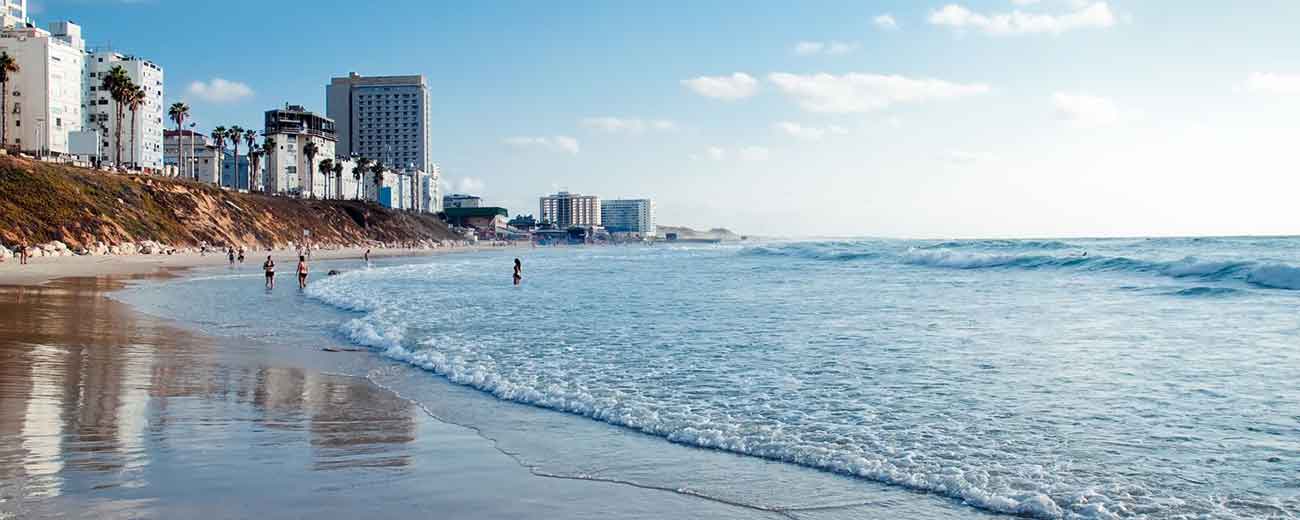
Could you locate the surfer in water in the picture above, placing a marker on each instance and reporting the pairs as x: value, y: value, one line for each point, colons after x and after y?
x: 519, y: 271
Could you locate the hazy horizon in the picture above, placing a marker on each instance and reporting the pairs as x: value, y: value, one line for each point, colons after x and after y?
x: 985, y: 118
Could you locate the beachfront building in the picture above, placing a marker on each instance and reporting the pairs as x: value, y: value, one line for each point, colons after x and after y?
x: 235, y: 176
x: 567, y: 210
x: 634, y: 217
x: 461, y: 200
x: 201, y: 160
x: 487, y: 222
x: 45, y: 96
x: 144, y: 149
x: 386, y: 118
x: 285, y: 170
x: 14, y: 13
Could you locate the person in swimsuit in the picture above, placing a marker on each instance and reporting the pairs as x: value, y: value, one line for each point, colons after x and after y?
x: 519, y: 271
x: 22, y: 254
x: 241, y: 254
x: 269, y: 267
x: 302, y: 272
x: 367, y: 256
x: 230, y: 253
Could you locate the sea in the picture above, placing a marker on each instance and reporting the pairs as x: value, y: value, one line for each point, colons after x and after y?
x: 1077, y: 378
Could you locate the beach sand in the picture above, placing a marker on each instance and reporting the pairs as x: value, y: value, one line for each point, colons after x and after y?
x: 109, y: 413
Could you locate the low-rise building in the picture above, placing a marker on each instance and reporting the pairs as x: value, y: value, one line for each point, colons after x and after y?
x: 201, y: 162
x: 487, y: 222
x: 461, y: 200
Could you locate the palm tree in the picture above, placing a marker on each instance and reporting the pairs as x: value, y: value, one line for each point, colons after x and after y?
x: 310, y: 151
x: 250, y: 138
x: 362, y: 166
x: 327, y: 167
x: 118, y: 84
x: 179, y: 112
x: 338, y: 177
x: 134, y: 98
x: 8, y: 66
x: 378, y: 170
x: 236, y: 134
x: 219, y: 136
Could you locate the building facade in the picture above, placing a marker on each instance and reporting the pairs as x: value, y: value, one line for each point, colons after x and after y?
x: 45, y: 95
x: 285, y: 169
x: 386, y: 119
x: 201, y: 160
x: 567, y: 210
x: 635, y: 216
x: 14, y: 14
x: 461, y: 200
x: 142, y: 141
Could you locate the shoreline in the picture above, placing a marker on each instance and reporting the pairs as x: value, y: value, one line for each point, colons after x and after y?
x: 135, y: 373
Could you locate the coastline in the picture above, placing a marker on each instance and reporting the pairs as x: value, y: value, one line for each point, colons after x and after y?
x: 114, y: 413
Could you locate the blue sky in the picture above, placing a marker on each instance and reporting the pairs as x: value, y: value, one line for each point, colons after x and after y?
x: 968, y: 118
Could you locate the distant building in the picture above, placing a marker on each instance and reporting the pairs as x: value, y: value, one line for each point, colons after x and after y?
x: 386, y: 118
x: 487, y: 222
x: 144, y: 150
x: 523, y: 222
x: 566, y: 210
x: 45, y: 97
x: 285, y: 169
x: 461, y: 200
x: 634, y: 216
x: 232, y: 177
x: 201, y: 165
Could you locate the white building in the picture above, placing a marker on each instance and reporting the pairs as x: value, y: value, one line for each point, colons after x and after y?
x: 285, y: 170
x: 14, y: 13
x: 634, y: 216
x: 566, y: 210
x: 461, y: 200
x: 144, y: 149
x: 45, y: 95
x: 384, y: 118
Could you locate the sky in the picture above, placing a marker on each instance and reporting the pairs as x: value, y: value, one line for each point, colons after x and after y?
x: 917, y: 118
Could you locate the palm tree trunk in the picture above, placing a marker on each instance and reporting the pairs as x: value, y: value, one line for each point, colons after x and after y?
x: 133, y: 163
x: 117, y: 137
x: 4, y: 114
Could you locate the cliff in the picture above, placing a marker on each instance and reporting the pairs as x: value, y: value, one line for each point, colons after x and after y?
x: 686, y: 233
x: 88, y: 209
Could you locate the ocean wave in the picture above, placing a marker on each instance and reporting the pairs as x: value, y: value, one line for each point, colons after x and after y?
x: 1267, y: 275
x: 832, y: 251
x: 1040, y: 245
x: 1207, y: 292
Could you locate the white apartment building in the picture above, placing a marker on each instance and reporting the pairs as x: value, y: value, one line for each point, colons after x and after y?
x: 144, y: 149
x: 566, y: 210
x: 636, y: 216
x: 206, y: 162
x: 45, y: 95
x: 384, y: 118
x: 285, y: 170
x: 14, y: 13
x: 461, y: 200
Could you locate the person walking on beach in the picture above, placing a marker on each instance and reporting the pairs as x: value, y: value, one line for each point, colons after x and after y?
x: 269, y: 268
x: 22, y: 253
x: 241, y: 254
x: 519, y: 271
x: 230, y: 253
x: 302, y: 272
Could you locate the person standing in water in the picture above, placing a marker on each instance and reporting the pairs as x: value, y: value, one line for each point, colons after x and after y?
x: 302, y: 272
x: 367, y: 256
x: 269, y: 267
x: 519, y: 271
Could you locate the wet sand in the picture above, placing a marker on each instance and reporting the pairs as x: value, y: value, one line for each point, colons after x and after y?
x: 109, y: 413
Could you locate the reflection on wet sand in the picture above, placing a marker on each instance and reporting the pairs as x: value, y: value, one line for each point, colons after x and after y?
x: 100, y: 403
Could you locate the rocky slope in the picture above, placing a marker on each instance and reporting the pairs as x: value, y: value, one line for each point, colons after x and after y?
x: 91, y: 212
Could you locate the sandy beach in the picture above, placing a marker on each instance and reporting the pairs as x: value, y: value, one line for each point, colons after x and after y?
x: 106, y: 412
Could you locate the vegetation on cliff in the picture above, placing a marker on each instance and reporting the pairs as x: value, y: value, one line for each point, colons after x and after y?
x: 43, y: 202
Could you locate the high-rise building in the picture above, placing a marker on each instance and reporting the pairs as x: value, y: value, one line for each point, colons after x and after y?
x: 286, y: 168
x: 628, y: 216
x: 566, y: 210
x: 15, y: 13
x: 45, y: 95
x: 386, y: 119
x: 144, y: 149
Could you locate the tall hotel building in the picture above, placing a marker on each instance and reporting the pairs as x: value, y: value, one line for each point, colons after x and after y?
x: 628, y: 216
x: 566, y: 210
x: 385, y: 118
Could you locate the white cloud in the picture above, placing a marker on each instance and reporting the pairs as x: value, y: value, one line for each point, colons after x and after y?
x: 219, y: 90
x: 629, y: 125
x: 866, y: 92
x: 1024, y: 2
x: 559, y: 143
x: 745, y: 153
x: 730, y: 88
x: 885, y: 22
x: 470, y: 185
x: 1085, y: 110
x: 754, y: 153
x: 828, y: 48
x: 1088, y: 15
x: 1271, y: 83
x: 808, y: 133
